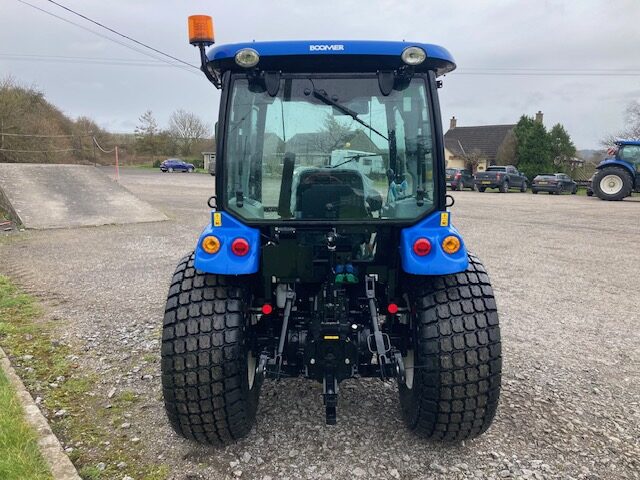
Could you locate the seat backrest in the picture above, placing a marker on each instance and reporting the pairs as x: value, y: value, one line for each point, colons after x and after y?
x: 330, y: 194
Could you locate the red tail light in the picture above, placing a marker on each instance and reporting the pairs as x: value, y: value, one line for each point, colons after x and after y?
x: 240, y: 247
x: 421, y: 247
x: 392, y: 308
x: 267, y: 309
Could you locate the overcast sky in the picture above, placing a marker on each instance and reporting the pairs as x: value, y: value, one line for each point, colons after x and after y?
x: 565, y: 37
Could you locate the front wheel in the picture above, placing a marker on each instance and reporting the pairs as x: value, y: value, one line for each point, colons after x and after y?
x: 613, y: 183
x: 453, y: 370
x: 208, y: 372
x: 170, y: 170
x: 481, y: 189
x: 190, y: 170
x: 504, y: 188
x: 523, y: 187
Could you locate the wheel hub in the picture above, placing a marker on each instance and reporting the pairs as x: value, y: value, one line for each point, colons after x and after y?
x: 611, y: 184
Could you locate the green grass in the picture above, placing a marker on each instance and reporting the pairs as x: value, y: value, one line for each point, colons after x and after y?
x: 19, y: 454
x: 87, y: 424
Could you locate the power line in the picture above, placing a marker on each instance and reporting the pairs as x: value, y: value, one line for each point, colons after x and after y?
x: 88, y: 61
x: 38, y: 151
x: 40, y: 136
x: 546, y: 74
x: 106, y: 37
x: 122, y: 34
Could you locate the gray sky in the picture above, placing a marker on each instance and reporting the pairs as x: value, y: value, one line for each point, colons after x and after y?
x: 553, y: 35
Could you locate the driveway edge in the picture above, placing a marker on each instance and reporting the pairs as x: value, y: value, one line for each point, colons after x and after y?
x: 49, y: 445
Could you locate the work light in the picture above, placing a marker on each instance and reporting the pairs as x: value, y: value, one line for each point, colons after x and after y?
x: 413, y: 55
x: 247, y: 57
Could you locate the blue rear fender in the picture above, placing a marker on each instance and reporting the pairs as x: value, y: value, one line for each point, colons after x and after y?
x: 616, y: 162
x: 226, y: 229
x: 435, y: 228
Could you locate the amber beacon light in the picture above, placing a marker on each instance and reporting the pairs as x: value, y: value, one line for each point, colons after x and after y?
x: 201, y: 30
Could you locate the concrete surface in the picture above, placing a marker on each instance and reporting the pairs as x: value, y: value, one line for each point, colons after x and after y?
x: 59, y: 464
x: 61, y: 196
x: 565, y: 273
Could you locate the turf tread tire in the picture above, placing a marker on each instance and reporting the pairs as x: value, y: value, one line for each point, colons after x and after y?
x: 204, y: 370
x: 458, y: 350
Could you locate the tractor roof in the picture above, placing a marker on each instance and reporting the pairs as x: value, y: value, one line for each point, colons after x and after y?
x: 627, y: 142
x: 331, y: 56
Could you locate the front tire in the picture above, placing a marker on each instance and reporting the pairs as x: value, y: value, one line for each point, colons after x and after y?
x: 453, y: 392
x: 523, y: 187
x: 170, y: 170
x: 208, y: 382
x: 612, y: 183
x: 481, y: 189
x: 504, y: 188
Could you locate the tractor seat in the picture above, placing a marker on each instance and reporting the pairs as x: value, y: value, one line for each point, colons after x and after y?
x: 330, y: 194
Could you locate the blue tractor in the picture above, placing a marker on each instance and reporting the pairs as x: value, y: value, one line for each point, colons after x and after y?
x: 323, y: 269
x: 618, y: 176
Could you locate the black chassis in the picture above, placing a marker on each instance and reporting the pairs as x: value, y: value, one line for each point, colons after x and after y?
x: 327, y: 331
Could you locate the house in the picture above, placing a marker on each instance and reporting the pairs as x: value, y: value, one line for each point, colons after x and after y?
x: 478, y: 147
x: 315, y: 148
x: 209, y: 156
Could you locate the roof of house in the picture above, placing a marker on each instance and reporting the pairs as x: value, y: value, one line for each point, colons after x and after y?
x: 318, y: 142
x: 485, y: 138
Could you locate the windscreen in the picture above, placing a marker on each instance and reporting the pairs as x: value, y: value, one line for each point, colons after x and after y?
x: 328, y: 148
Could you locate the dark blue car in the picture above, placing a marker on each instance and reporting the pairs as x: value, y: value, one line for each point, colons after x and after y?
x: 176, y: 165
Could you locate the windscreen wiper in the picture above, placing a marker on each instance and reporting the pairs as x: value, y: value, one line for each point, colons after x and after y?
x: 349, y: 159
x: 323, y: 97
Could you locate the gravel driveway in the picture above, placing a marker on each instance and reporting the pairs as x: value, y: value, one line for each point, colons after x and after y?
x: 565, y: 271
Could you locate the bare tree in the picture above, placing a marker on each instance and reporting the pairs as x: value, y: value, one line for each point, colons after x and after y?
x: 506, y: 154
x: 474, y: 158
x: 187, y: 128
x: 631, y: 130
x: 146, y: 134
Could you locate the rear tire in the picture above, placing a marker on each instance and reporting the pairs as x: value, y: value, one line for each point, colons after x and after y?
x: 612, y: 183
x: 459, y: 187
x: 208, y: 383
x: 454, y: 393
x: 481, y: 189
x: 523, y: 187
x: 170, y: 170
x: 535, y: 192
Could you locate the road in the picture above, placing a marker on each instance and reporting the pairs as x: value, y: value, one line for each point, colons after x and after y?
x: 565, y: 273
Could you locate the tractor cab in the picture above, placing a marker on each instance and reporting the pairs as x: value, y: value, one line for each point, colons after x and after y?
x: 329, y: 131
x: 330, y: 253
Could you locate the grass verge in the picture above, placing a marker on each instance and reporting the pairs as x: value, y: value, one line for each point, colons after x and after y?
x: 19, y: 454
x: 51, y: 371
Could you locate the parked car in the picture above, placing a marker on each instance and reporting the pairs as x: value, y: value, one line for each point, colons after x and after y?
x: 459, y: 178
x: 502, y: 178
x: 176, y: 165
x: 554, y: 183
